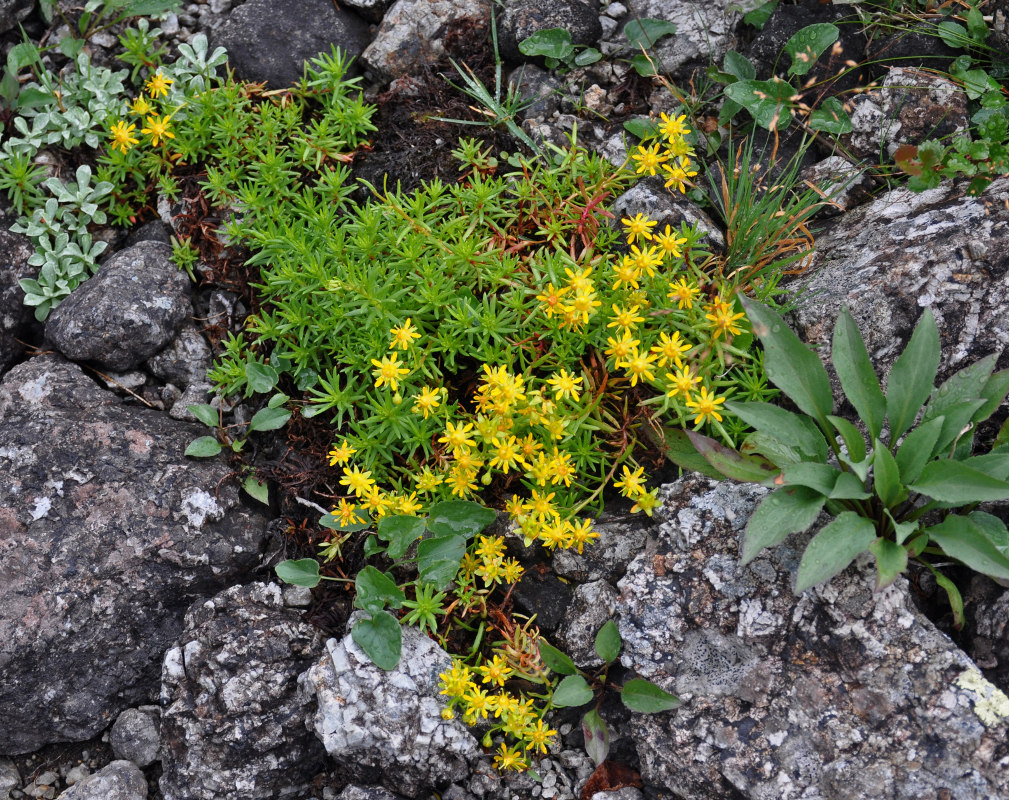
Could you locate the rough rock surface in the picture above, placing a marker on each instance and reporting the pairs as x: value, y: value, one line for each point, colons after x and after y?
x: 651, y: 198
x: 269, y: 40
x: 592, y: 605
x: 911, y: 106
x: 704, y: 31
x: 386, y: 727
x: 411, y: 34
x: 522, y: 18
x: 127, y: 312
x: 107, y: 534
x: 840, y: 693
x: 904, y: 252
x: 14, y: 11
x: 136, y: 735
x: 231, y: 715
x: 367, y: 793
x: 120, y: 780
x: 186, y: 360
x: 15, y: 250
x: 842, y: 184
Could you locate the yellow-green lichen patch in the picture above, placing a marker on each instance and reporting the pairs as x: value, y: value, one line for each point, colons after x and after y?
x: 990, y: 704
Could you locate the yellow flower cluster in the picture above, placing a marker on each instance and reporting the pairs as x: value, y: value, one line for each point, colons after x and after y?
x: 157, y: 128
x: 672, y: 159
x: 574, y: 302
x: 486, y: 560
x: 479, y: 693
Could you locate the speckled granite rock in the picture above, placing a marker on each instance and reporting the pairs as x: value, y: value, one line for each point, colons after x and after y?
x: 107, y: 534
x: 120, y: 780
x: 15, y: 316
x: 840, y: 693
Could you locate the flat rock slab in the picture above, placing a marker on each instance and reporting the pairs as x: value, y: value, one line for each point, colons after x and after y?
x: 107, y: 534
x: 838, y: 694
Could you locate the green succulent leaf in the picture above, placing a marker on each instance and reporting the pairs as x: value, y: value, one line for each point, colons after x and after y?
x: 381, y: 638
x: 807, y: 44
x: 608, y: 642
x: 912, y: 377
x: 833, y: 549
x: 963, y: 539
x: 557, y: 661
x: 572, y: 691
x: 856, y: 374
x: 785, y: 511
x: 299, y: 572
x: 953, y: 482
x: 792, y: 429
x: 647, y: 698
x: 790, y: 365
x: 917, y: 448
x: 891, y: 561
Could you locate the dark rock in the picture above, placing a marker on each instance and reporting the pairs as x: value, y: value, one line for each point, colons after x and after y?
x: 918, y: 47
x: 841, y: 692
x: 120, y: 780
x: 367, y: 793
x: 705, y: 32
x: 545, y: 596
x: 13, y: 11
x: 590, y: 608
x: 107, y: 534
x: 522, y: 18
x: 990, y: 641
x: 538, y: 88
x: 185, y: 361
x: 136, y: 736
x: 412, y: 34
x: 15, y: 316
x: 269, y: 40
x: 889, y: 259
x: 605, y: 558
x: 126, y: 313
x: 651, y: 198
x: 231, y: 715
x: 153, y: 231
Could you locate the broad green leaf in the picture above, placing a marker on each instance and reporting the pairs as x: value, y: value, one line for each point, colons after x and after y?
x: 852, y: 437
x: 854, y: 371
x: 820, y: 477
x: 967, y: 384
x: 995, y: 465
x: 438, y: 559
x: 730, y: 463
x: 953, y: 594
x: 956, y: 422
x: 642, y: 128
x: 647, y: 698
x: 376, y: 590
x: 299, y: 572
x: 277, y: 400
x: 459, y: 517
x: 572, y: 691
x: 372, y: 547
x: 256, y: 490
x: 205, y: 414
x: 994, y: 528
x: 587, y: 56
x: 680, y: 450
x: 849, y: 487
x: 785, y: 511
x: 557, y: 661
x: 886, y: 477
x: 269, y: 419
x: 901, y: 530
x: 261, y: 377
x: 381, y: 638
x: 833, y: 549
x: 966, y: 541
x: 646, y: 32
x: 597, y: 736
x: 891, y: 560
x: 400, y: 532
x: 774, y: 450
x: 792, y: 429
x: 993, y: 393
x: 760, y: 15
x: 954, y: 34
x: 739, y: 66
x: 952, y: 482
x: 916, y: 449
x: 807, y: 44
x: 551, y: 43
x: 644, y: 66
x: 860, y: 469
x: 769, y: 102
x: 203, y: 447
x: 831, y: 117
x: 912, y: 376
x: 608, y: 642
x: 789, y: 364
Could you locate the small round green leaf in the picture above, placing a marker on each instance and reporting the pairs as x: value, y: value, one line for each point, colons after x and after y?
x: 550, y: 43
x: 203, y: 447
x: 572, y: 691
x: 556, y: 660
x: 269, y: 419
x: 206, y: 414
x: 459, y: 517
x: 376, y: 590
x: 256, y: 490
x: 261, y: 377
x: 381, y: 638
x: 646, y: 32
x: 608, y: 642
x: 300, y: 572
x: 807, y: 44
x: 647, y: 698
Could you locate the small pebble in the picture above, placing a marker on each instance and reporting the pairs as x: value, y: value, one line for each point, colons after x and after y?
x: 78, y: 773
x: 615, y: 10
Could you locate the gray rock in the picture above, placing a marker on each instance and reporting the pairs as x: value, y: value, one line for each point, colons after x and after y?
x: 107, y: 534
x: 269, y: 40
x: 196, y: 394
x: 386, y: 727
x: 843, y: 184
x: 537, y: 87
x: 705, y: 32
x: 592, y: 605
x: 627, y: 793
x: 369, y: 10
x: 186, y: 360
x: 837, y: 693
x: 412, y: 31
x: 120, y: 780
x: 651, y: 198
x: 903, y: 252
x: 15, y: 316
x: 231, y: 716
x: 991, y: 637
x: 136, y: 736
x: 367, y: 793
x: 522, y: 18
x: 14, y: 11
x: 127, y: 312
x: 606, y: 558
x: 9, y: 777
x: 911, y: 106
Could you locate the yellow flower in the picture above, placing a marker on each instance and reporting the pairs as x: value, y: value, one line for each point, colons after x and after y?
x: 632, y: 483
x: 705, y: 406
x: 427, y: 401
x: 347, y: 514
x: 646, y: 501
x: 674, y: 128
x: 511, y: 570
x: 565, y: 385
x: 456, y: 681
x: 388, y: 371
x: 581, y: 533
x: 506, y: 454
x: 560, y: 467
x: 514, y: 507
x: 649, y: 159
x: 358, y: 481
x: 538, y: 736
x: 121, y: 135
x: 670, y: 243
x: 580, y: 281
x: 477, y: 701
x: 684, y: 292
x: 456, y: 436
x: 341, y: 454
x: 460, y: 481
x: 407, y: 504
x: 551, y: 299
x: 427, y: 481
x: 620, y: 349
x: 724, y: 321
x: 678, y: 177
x: 646, y: 260
x: 671, y: 348
x: 626, y: 273
x: 158, y: 129
x: 541, y: 506
x: 496, y: 671
x: 682, y: 382
x: 376, y: 502
x: 640, y: 367
x: 403, y: 335
x: 141, y: 107
x: 158, y: 84
x: 638, y: 225
x: 625, y: 319
x: 509, y: 759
